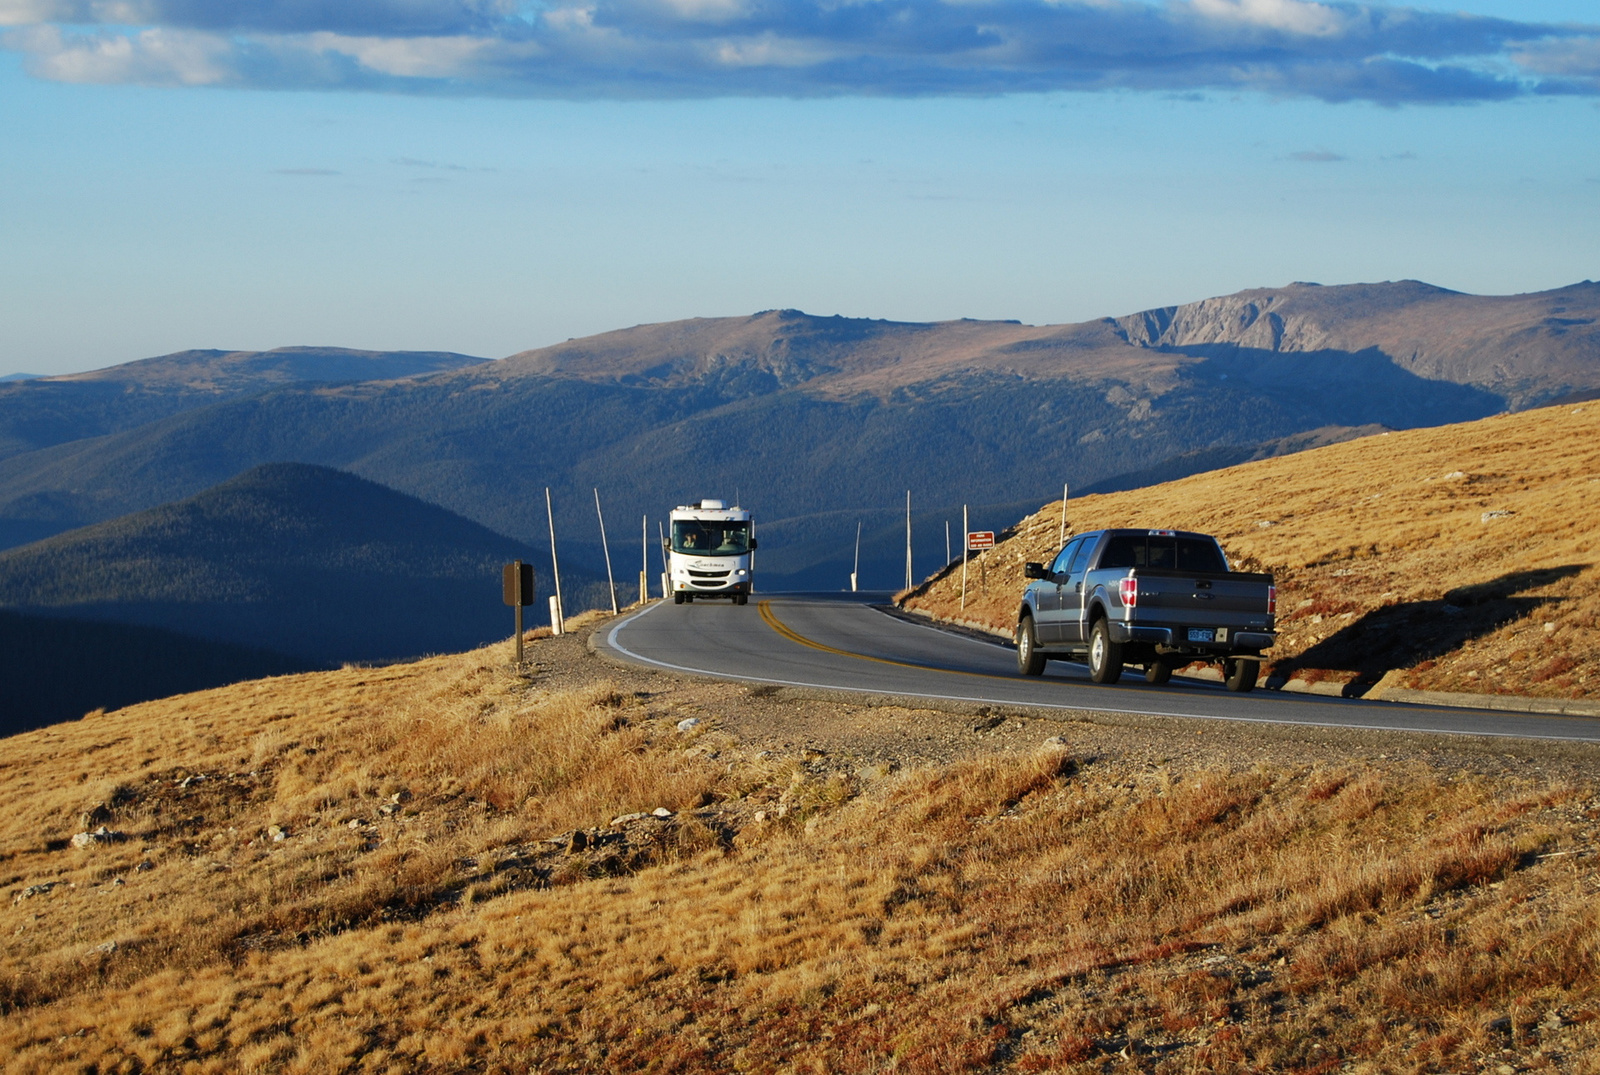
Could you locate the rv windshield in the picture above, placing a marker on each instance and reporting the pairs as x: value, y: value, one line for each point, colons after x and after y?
x: 711, y: 537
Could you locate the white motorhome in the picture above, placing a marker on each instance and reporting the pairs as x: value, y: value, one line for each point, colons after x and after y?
x: 709, y: 552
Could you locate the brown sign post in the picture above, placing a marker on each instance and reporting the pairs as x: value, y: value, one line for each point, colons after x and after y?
x: 517, y: 591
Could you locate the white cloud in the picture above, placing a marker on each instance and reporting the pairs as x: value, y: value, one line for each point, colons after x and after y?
x: 1290, y: 16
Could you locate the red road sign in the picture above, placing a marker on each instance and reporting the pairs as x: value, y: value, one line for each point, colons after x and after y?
x: 980, y: 539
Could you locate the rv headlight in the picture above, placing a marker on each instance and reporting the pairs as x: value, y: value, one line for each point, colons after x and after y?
x: 741, y: 571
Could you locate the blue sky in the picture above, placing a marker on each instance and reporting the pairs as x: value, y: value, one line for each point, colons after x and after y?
x: 486, y: 176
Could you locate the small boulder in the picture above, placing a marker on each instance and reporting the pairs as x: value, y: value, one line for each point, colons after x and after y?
x: 277, y: 833
x: 661, y: 811
x: 102, y: 835
x: 1055, y: 742
x: 688, y: 724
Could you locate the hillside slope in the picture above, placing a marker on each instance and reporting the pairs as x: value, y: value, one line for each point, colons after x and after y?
x: 1464, y: 558
x: 306, y: 561
x: 457, y: 865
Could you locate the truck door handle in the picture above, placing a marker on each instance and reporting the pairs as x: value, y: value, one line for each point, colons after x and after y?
x: 1203, y: 596
x: 1080, y: 587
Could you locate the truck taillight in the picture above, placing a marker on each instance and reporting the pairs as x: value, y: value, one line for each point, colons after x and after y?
x: 1272, y: 600
x: 1129, y: 589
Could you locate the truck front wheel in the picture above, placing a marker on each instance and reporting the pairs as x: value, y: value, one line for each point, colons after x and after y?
x: 1030, y: 662
x: 1239, y: 674
x: 1105, y: 656
x: 741, y: 599
x: 677, y: 597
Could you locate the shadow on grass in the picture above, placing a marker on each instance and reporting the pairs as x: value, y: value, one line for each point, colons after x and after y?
x: 1401, y: 635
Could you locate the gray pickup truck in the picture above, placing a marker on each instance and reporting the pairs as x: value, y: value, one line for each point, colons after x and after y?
x: 1157, y: 598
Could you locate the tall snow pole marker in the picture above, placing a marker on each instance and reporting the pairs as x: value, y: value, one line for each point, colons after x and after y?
x: 1063, y: 539
x: 606, y: 547
x: 856, y: 570
x: 947, y: 541
x: 908, y: 539
x: 557, y: 619
x: 644, y: 559
x: 664, y: 580
x: 965, y: 543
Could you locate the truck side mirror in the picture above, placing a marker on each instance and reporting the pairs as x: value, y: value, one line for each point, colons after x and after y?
x: 752, y: 544
x: 666, y: 543
x: 1031, y: 570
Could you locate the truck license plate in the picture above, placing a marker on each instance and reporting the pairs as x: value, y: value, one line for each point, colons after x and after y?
x: 1202, y: 634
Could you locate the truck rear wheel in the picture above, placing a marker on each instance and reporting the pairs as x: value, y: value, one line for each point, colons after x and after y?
x: 1105, y: 656
x: 1240, y: 674
x: 1157, y: 672
x: 1030, y: 662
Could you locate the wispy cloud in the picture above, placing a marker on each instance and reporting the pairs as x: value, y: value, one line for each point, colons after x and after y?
x: 1335, y: 51
x: 1317, y: 156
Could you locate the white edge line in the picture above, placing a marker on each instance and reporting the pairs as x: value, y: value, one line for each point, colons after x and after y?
x: 611, y: 640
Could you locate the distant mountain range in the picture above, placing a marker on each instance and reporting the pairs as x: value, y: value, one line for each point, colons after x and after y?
x: 815, y: 423
x: 311, y: 564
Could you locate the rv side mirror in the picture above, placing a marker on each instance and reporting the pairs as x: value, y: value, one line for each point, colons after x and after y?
x: 1031, y: 570
x: 752, y: 544
x: 666, y: 543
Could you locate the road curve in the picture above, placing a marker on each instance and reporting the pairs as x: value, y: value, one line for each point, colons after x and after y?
x: 839, y: 641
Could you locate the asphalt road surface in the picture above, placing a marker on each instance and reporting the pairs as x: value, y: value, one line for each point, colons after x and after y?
x: 839, y: 641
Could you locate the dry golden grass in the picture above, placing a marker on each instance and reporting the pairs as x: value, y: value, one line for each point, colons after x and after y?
x: 1391, y: 566
x: 1028, y: 913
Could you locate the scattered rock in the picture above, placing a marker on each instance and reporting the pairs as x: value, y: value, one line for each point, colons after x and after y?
x: 143, y: 866
x: 191, y: 780
x: 277, y: 833
x: 1500, y: 1025
x: 1486, y: 516
x: 578, y: 841
x: 96, y: 815
x: 1549, y: 628
x: 34, y: 890
x: 661, y: 811
x: 988, y: 723
x: 103, y: 949
x: 1055, y: 742
x: 624, y: 819
x: 688, y: 724
x: 102, y: 835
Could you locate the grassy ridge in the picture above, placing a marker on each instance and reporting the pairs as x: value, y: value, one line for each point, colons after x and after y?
x: 1043, y: 911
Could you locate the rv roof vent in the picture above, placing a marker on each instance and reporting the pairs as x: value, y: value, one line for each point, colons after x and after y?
x: 712, y: 505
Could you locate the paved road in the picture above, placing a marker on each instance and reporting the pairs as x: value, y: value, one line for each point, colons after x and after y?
x: 840, y: 642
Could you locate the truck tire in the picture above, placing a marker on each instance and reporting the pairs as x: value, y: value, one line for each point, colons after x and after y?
x: 1105, y: 656
x: 677, y: 597
x: 1240, y: 674
x: 1030, y: 662
x: 1157, y: 672
x: 741, y: 599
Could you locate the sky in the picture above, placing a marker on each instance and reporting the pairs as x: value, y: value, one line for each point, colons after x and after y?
x: 487, y: 176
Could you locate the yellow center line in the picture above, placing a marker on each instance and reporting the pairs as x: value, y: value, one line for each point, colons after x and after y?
x: 772, y: 621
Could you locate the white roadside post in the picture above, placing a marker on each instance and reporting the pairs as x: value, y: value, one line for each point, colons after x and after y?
x: 605, y: 546
x: 855, y: 571
x: 644, y: 559
x: 1063, y: 538
x: 908, y: 539
x: 665, y: 576
x: 557, y: 620
x: 965, y: 543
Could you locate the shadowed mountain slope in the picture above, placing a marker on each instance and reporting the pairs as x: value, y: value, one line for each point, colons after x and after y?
x: 817, y: 420
x: 59, y: 669
x: 302, y: 560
